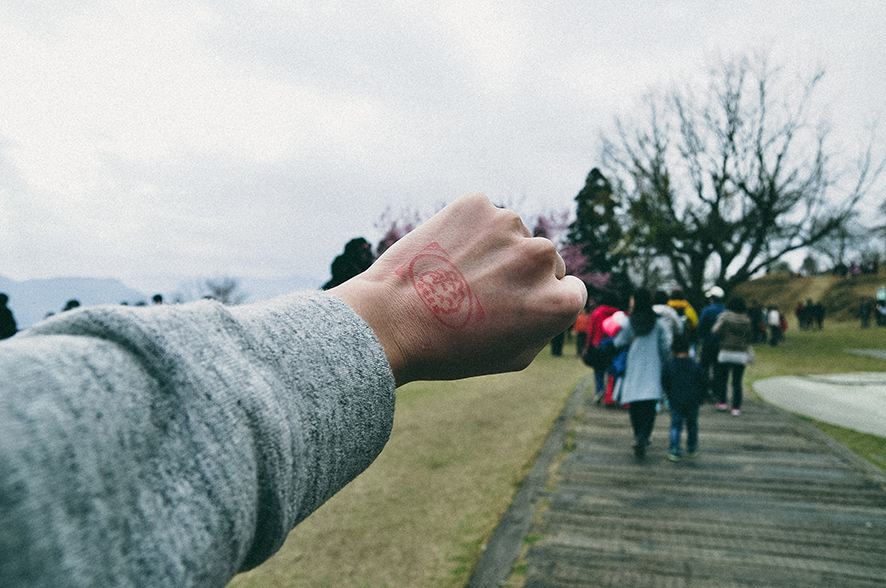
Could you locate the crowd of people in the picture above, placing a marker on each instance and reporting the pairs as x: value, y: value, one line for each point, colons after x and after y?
x: 853, y: 270
x: 9, y: 326
x: 810, y: 315
x: 655, y: 350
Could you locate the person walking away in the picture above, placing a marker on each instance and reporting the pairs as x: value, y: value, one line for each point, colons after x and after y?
x: 8, y: 327
x: 733, y: 330
x: 661, y: 308
x: 710, y: 347
x: 615, y: 371
x: 865, y: 311
x: 818, y: 312
x: 688, y: 316
x: 773, y: 319
x: 685, y: 383
x: 758, y: 322
x: 581, y: 328
x: 608, y: 306
x: 648, y: 340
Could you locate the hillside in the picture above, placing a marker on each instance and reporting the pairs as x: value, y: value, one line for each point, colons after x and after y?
x: 31, y: 300
x: 840, y: 296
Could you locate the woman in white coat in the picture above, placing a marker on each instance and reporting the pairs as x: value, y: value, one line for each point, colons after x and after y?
x: 649, y: 339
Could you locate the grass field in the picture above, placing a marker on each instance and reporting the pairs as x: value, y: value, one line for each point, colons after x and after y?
x: 419, y: 515
x: 417, y: 518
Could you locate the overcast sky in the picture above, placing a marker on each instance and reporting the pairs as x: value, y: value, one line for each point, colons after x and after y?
x: 150, y: 141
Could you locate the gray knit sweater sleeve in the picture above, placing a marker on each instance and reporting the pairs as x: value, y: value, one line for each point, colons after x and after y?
x: 178, y: 445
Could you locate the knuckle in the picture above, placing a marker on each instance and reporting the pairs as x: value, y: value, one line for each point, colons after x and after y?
x: 513, y: 221
x: 541, y: 250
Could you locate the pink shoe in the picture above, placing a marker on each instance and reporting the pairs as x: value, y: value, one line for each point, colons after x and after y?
x: 722, y: 406
x: 735, y: 412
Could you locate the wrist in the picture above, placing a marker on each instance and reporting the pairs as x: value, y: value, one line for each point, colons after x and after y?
x: 363, y: 296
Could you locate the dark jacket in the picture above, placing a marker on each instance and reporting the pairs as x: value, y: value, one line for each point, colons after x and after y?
x: 707, y: 319
x: 685, y: 383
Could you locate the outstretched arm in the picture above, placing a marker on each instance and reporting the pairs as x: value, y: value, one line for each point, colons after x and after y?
x: 177, y: 445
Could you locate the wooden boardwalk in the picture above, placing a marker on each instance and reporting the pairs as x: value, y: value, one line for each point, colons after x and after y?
x: 769, y: 502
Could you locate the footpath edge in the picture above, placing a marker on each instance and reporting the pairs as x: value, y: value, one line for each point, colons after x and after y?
x: 503, y: 548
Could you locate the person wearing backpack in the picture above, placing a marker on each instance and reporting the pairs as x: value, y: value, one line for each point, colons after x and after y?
x: 710, y: 346
x: 733, y: 331
x: 685, y: 383
x: 608, y: 305
x: 648, y: 340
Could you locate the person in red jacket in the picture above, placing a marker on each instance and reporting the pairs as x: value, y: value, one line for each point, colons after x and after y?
x: 608, y: 305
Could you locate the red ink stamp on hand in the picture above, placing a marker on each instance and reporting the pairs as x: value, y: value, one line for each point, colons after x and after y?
x: 442, y: 288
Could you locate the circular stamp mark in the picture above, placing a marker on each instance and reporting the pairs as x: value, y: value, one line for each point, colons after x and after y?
x: 442, y: 288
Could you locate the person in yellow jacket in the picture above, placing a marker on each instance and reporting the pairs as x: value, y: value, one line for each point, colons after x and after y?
x: 688, y: 316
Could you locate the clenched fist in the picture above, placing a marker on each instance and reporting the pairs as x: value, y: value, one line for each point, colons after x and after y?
x: 470, y: 292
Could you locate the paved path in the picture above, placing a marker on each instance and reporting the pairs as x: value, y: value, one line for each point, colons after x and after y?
x: 769, y: 502
x: 855, y: 401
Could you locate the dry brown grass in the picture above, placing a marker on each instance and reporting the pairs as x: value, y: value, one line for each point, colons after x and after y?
x: 840, y: 296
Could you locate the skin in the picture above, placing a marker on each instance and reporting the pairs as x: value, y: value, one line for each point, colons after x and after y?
x: 469, y: 292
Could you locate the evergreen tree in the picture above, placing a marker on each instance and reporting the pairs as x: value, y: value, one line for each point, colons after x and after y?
x: 596, y: 228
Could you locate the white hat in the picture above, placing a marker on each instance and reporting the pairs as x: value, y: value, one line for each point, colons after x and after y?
x: 715, y: 292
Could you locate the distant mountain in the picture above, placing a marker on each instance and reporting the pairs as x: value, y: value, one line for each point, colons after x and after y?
x: 31, y: 300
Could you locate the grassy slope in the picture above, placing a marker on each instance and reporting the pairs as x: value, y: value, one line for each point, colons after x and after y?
x: 419, y: 515
x: 840, y: 296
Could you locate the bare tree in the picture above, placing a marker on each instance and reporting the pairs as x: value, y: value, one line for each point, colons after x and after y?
x: 725, y: 183
x: 881, y: 220
x: 395, y: 226
x: 224, y: 289
x: 842, y: 243
x: 809, y: 266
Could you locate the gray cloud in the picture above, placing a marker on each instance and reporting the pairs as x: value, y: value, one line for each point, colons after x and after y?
x: 231, y: 137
